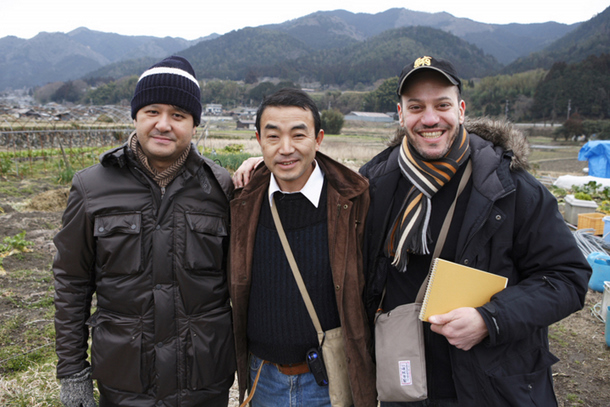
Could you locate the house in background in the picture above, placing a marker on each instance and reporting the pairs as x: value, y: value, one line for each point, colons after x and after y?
x: 248, y: 112
x: 63, y: 116
x: 246, y: 124
x: 213, y: 108
x: 27, y: 112
x: 369, y: 117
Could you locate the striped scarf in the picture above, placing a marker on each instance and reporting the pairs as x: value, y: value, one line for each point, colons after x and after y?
x: 410, y: 233
x: 162, y: 178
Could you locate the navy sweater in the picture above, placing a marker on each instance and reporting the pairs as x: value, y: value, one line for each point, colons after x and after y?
x: 279, y: 327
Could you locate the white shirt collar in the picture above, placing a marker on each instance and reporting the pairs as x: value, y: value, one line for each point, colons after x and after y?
x: 312, y: 188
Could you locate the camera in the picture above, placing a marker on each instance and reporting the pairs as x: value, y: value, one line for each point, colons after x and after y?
x: 315, y: 361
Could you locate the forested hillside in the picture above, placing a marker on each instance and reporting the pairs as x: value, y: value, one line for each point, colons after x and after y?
x: 584, y: 87
x: 590, y: 38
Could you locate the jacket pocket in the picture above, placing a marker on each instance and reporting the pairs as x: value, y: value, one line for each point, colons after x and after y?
x: 204, y: 241
x: 525, y: 379
x: 116, y: 235
x: 210, y: 349
x: 116, y: 351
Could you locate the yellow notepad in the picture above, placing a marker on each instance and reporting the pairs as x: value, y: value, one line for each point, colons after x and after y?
x: 454, y: 285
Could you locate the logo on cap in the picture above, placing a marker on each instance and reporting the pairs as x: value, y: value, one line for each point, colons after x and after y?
x: 422, y: 61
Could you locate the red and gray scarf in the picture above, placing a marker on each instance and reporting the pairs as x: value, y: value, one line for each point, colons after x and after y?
x: 409, y: 233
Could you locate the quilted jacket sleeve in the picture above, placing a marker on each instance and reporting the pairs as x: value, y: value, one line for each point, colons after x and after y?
x: 74, y: 282
x: 551, y: 275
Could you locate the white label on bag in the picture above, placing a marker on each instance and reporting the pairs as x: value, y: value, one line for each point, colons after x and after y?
x: 404, y: 370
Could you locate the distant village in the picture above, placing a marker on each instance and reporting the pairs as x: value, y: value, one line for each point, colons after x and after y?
x: 19, y: 106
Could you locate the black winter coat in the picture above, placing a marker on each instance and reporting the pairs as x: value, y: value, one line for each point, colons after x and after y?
x: 511, y: 227
x: 162, y: 330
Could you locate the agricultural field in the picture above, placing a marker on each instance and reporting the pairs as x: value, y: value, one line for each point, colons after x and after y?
x: 33, y: 193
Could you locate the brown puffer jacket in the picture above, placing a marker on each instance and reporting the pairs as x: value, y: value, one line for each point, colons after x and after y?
x: 162, y: 331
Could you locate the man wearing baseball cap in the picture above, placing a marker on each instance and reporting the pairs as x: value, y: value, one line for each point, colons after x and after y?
x: 505, y: 222
x: 146, y: 232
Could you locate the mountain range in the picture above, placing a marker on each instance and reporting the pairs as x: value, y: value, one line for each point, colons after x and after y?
x: 51, y: 57
x: 329, y: 47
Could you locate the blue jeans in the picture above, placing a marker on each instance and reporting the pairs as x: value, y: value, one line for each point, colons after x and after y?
x: 423, y: 403
x: 277, y: 389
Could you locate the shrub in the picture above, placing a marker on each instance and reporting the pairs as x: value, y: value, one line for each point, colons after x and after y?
x: 15, y: 243
x: 65, y: 175
x: 583, y: 196
x: 332, y: 121
x: 233, y: 148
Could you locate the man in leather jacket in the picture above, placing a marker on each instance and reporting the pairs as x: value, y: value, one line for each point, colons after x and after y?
x: 322, y: 205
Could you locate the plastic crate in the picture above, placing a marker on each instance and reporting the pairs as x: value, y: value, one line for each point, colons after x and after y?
x: 592, y: 221
x: 574, y: 207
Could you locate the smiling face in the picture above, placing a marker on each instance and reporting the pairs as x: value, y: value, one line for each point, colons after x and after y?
x: 431, y: 112
x: 289, y: 144
x: 164, y: 132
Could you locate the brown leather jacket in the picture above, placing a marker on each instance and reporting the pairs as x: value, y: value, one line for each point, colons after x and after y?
x: 348, y: 202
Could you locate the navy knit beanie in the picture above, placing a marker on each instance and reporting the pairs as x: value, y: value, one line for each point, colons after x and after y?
x: 172, y: 82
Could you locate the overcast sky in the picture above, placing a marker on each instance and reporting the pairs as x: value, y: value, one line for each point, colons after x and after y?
x: 191, y: 20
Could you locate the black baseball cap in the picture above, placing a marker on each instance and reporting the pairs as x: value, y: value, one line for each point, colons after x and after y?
x: 426, y: 62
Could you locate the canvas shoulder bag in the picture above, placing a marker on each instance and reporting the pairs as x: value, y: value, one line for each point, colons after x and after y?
x: 399, y: 335
x: 332, y: 349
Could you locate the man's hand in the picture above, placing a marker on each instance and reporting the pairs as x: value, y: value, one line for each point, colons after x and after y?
x: 463, y: 327
x: 242, y: 175
x: 77, y: 390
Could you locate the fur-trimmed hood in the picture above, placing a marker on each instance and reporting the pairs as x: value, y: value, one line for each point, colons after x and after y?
x: 500, y: 133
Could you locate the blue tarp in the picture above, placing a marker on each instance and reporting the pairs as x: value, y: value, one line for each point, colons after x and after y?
x: 597, y: 152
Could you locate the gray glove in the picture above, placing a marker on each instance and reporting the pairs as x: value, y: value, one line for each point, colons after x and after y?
x: 77, y: 389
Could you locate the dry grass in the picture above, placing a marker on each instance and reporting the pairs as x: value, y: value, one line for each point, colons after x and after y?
x: 250, y: 145
x: 352, y: 154
x: 53, y: 200
x: 35, y: 387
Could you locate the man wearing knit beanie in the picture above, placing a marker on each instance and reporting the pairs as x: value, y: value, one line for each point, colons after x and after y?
x: 146, y: 231
x: 169, y: 90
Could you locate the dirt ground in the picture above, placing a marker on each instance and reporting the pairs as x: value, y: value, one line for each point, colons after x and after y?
x: 556, y: 168
x: 582, y: 377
